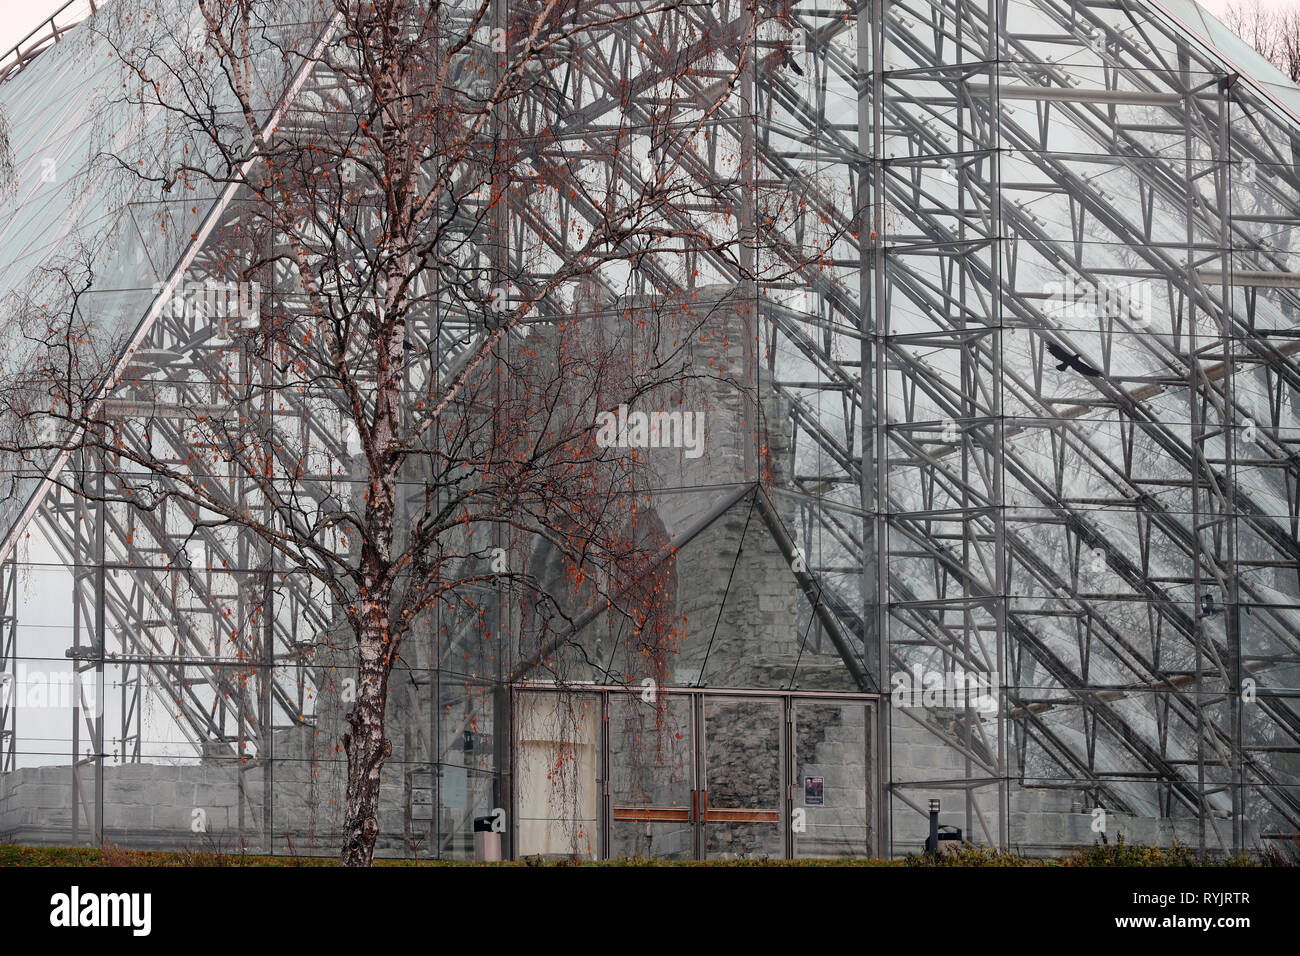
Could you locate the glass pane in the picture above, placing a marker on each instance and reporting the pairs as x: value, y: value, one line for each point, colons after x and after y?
x: 652, y: 763
x: 557, y: 738
x: 830, y: 779
x: 742, y: 778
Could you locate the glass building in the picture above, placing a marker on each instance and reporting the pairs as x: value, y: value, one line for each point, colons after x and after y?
x: 983, y: 485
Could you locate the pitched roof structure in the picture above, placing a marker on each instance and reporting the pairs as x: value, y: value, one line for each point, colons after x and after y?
x: 1039, y: 410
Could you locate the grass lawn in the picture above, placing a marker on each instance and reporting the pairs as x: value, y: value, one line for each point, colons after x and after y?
x: 1118, y: 854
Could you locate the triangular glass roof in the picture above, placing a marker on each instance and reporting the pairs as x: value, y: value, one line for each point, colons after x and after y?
x: 72, y: 206
x: 1198, y: 21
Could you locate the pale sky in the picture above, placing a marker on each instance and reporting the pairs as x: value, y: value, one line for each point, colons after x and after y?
x: 18, y: 17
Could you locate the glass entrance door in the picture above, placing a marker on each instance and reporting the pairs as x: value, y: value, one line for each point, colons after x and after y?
x: 831, y: 809
x: 652, y: 799
x: 691, y: 774
x: 741, y: 758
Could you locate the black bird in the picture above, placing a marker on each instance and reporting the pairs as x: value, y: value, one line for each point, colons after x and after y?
x: 1072, y: 361
x: 1207, y: 604
x: 790, y: 61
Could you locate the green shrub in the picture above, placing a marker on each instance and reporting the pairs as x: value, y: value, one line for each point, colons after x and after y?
x: 1103, y: 854
x: 968, y: 854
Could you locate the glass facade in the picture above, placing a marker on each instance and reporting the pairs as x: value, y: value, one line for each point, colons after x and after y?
x: 963, y: 466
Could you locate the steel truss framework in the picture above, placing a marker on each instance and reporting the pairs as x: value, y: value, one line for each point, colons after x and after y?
x: 1117, y: 540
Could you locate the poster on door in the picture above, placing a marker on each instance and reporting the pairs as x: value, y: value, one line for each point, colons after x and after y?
x: 813, y: 791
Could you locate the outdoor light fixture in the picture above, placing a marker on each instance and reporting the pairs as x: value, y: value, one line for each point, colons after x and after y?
x: 949, y: 838
x: 932, y: 841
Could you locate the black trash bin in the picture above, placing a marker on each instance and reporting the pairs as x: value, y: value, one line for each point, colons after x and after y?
x: 946, y: 837
x: 949, y: 838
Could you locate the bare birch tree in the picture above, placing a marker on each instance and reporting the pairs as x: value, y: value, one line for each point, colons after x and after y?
x: 407, y: 187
